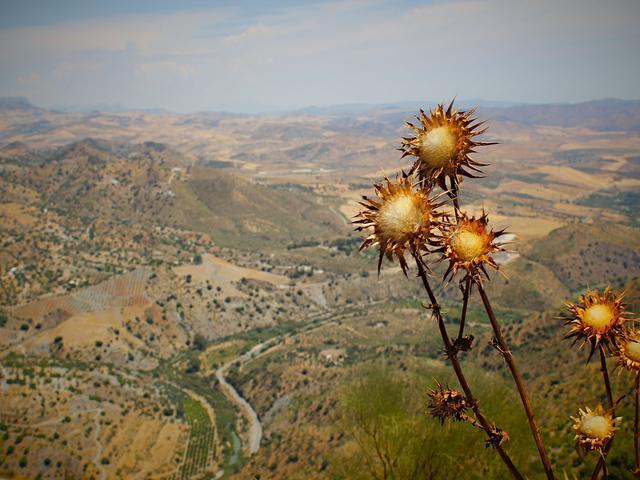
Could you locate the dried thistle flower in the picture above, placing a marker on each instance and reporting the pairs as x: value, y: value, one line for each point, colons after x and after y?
x: 598, y: 317
x: 468, y: 245
x: 628, y: 352
x: 402, y: 218
x: 442, y: 145
x: 594, y: 428
x: 446, y: 403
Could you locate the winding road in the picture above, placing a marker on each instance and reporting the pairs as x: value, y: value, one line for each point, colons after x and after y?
x: 255, y: 427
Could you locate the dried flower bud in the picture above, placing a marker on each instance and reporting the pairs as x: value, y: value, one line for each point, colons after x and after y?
x: 597, y: 318
x: 594, y: 428
x: 442, y: 145
x: 446, y: 403
x: 468, y: 244
x: 629, y: 350
x: 402, y: 218
x: 497, y: 437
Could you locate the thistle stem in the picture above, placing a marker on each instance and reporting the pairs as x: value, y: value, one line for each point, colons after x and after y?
x: 453, y: 357
x: 465, y: 302
x: 517, y: 377
x: 456, y: 202
x: 636, y: 433
x: 602, y: 461
x: 605, y: 377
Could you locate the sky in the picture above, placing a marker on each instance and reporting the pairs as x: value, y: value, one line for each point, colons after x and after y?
x: 259, y: 56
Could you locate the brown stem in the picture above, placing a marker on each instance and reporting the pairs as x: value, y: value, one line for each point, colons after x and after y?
x: 456, y: 203
x: 465, y: 302
x: 605, y: 377
x: 453, y: 356
x: 636, y: 433
x: 602, y: 464
x: 602, y: 461
x: 517, y: 377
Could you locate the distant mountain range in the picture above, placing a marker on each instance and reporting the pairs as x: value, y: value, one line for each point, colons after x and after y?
x: 16, y: 103
x: 356, y: 108
x: 609, y: 114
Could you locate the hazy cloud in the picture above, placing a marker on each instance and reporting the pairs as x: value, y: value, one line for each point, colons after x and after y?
x: 334, y: 52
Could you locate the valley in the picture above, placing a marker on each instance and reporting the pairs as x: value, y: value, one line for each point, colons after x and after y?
x: 182, y: 296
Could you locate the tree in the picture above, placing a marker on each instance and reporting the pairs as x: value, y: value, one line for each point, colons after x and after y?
x: 193, y: 366
x: 199, y: 342
x: 391, y: 441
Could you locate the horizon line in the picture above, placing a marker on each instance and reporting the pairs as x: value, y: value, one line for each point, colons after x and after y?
x: 274, y: 110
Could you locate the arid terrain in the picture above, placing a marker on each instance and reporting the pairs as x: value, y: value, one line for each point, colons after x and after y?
x: 182, y: 295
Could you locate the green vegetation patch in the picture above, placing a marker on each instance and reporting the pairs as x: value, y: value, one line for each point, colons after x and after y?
x: 200, y: 445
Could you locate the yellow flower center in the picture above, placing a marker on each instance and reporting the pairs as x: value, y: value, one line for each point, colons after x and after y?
x: 599, y: 316
x: 596, y: 426
x: 438, y: 146
x: 632, y: 350
x: 468, y: 245
x: 400, y: 217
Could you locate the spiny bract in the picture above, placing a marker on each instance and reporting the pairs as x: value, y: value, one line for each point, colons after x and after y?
x: 442, y: 145
x: 594, y: 428
x: 468, y: 244
x: 446, y: 403
x: 402, y: 218
x: 598, y: 317
x: 629, y: 350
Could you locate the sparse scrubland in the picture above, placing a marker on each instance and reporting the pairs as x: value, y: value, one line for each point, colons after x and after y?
x: 135, y: 273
